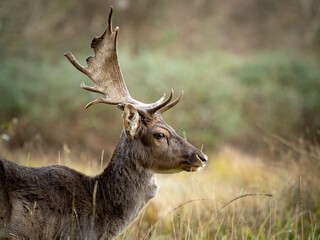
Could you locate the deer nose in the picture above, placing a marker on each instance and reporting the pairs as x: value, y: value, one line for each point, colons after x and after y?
x: 203, y: 159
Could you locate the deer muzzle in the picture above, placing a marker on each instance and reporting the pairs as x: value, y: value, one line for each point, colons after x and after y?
x: 195, y: 163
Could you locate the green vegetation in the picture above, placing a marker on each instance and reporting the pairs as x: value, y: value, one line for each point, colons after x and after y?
x: 227, y: 97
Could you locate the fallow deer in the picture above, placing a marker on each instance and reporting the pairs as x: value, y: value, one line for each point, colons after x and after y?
x: 56, y: 202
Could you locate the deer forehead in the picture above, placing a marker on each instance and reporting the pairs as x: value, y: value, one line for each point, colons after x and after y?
x: 158, y: 124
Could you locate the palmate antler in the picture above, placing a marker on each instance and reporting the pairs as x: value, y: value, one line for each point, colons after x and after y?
x: 104, y: 70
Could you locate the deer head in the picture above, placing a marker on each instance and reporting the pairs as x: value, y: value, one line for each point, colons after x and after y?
x: 155, y: 144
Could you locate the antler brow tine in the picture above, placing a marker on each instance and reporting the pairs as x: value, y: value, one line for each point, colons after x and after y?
x: 75, y: 63
x: 156, y: 108
x: 171, y: 105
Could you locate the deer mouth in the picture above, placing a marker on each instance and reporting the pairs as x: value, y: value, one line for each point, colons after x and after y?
x: 195, y: 164
x: 192, y: 168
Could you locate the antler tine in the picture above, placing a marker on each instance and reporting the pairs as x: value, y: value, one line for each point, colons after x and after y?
x: 92, y: 89
x: 171, y: 105
x: 110, y: 20
x: 75, y: 63
x: 98, y: 100
x: 156, y: 108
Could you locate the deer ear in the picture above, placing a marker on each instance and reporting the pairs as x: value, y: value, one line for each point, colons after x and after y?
x: 131, y: 120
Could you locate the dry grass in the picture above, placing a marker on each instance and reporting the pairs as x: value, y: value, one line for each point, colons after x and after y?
x: 229, y: 199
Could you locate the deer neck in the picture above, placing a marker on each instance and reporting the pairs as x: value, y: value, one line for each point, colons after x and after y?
x: 126, y: 186
x: 126, y: 166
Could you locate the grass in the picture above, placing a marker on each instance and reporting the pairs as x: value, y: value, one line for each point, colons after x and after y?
x: 237, y: 196
x: 229, y: 201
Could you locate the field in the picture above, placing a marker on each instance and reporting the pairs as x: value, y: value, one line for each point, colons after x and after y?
x: 237, y: 196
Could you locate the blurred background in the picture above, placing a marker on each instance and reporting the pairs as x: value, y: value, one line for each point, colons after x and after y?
x: 250, y: 71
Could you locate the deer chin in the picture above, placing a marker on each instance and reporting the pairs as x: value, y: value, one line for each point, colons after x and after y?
x: 168, y: 171
x: 192, y: 168
x: 184, y: 168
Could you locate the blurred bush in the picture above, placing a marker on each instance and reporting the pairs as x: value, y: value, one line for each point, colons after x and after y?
x: 226, y: 102
x: 228, y: 98
x: 266, y: 73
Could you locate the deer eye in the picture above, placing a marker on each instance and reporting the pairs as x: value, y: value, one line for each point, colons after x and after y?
x: 159, y: 135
